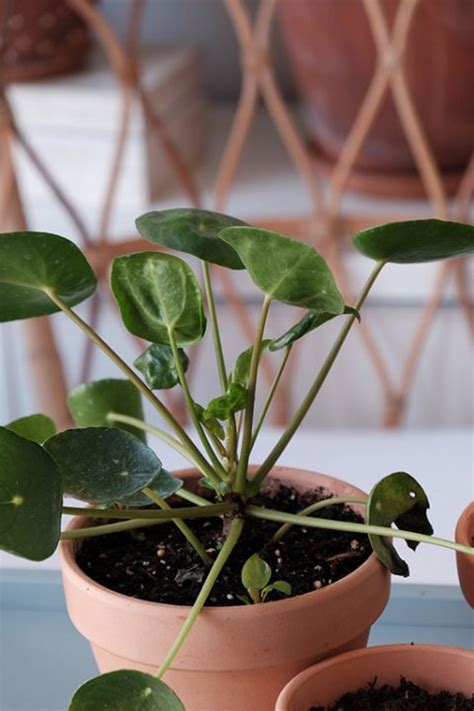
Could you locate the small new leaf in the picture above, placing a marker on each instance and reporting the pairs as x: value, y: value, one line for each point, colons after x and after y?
x: 397, y: 499
x: 256, y: 574
x: 158, y: 366
x: 37, y: 428
x: 309, y: 322
x: 125, y: 690
x: 240, y: 374
x: 224, y: 406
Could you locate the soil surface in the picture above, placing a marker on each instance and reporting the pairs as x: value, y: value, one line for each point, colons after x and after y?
x: 407, y: 697
x: 158, y: 564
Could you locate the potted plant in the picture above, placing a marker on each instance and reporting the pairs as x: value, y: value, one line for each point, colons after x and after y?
x: 417, y: 677
x: 260, y: 570
x: 465, y: 535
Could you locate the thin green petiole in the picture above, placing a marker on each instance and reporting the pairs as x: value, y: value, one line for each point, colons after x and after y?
x: 326, y: 524
x: 184, y: 513
x: 333, y: 501
x: 192, y: 497
x: 108, y: 528
x: 215, y: 327
x: 271, y: 393
x: 235, y: 531
x: 192, y: 539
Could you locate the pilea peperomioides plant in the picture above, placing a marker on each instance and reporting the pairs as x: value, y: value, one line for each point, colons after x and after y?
x: 106, y: 462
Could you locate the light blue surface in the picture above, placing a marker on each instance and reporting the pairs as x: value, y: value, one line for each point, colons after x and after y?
x: 43, y: 659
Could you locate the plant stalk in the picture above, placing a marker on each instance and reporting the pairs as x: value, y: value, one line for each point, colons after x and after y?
x: 235, y: 530
x: 108, y: 528
x: 192, y: 497
x: 192, y: 539
x: 300, y: 414
x: 326, y: 524
x: 221, y: 369
x: 283, y: 530
x: 271, y: 393
x: 127, y: 514
x: 241, y: 477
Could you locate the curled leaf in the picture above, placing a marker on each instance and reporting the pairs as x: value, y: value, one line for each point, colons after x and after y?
x: 224, y: 406
x: 158, y: 366
x: 309, y: 322
x: 397, y: 499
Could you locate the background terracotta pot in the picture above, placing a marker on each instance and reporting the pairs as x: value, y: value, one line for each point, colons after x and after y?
x: 332, y: 51
x: 434, y: 668
x: 465, y: 535
x: 235, y: 657
x: 44, y: 38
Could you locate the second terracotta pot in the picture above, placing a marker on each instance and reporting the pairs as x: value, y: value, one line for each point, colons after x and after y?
x: 431, y: 667
x: 238, y: 657
x: 465, y: 535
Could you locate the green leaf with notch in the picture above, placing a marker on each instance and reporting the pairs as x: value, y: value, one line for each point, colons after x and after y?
x: 90, y: 403
x: 415, y: 241
x: 164, y: 485
x: 125, y: 690
x: 158, y: 366
x: 30, y: 498
x: 37, y: 428
x: 241, y: 371
x: 286, y: 270
x: 33, y: 263
x: 192, y: 231
x: 158, y: 294
x: 309, y: 322
x: 256, y: 573
x: 102, y: 465
x: 397, y: 499
x: 224, y: 406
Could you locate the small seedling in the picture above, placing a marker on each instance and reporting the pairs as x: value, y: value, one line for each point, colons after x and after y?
x: 256, y: 576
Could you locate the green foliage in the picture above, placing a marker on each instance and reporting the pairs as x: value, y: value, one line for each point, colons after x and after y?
x: 123, y: 691
x: 158, y: 366
x: 158, y: 294
x: 33, y: 263
x: 241, y: 371
x: 193, y: 231
x: 397, y: 499
x: 102, y: 465
x: 309, y: 322
x: 30, y: 498
x: 164, y: 485
x: 286, y: 270
x: 210, y: 423
x: 37, y: 428
x: 90, y: 403
x: 414, y: 241
x: 224, y: 406
x: 256, y: 575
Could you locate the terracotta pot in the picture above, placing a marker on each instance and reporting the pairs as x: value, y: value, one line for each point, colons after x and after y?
x: 44, y: 38
x: 333, y: 54
x: 465, y: 535
x: 434, y: 668
x: 236, y: 657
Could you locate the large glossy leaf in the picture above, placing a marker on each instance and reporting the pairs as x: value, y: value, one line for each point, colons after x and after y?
x: 158, y: 293
x: 309, y: 322
x: 125, y: 690
x: 38, y: 428
x: 397, y: 499
x: 102, y: 464
x: 416, y: 241
x: 158, y: 366
x: 30, y: 498
x: 90, y: 403
x: 222, y: 407
x: 241, y: 371
x: 31, y: 263
x: 193, y: 231
x: 164, y: 485
x: 286, y: 270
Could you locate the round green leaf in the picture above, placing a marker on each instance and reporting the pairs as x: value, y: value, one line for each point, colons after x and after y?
x: 164, y: 485
x: 286, y: 270
x: 309, y: 322
x: 37, y: 428
x: 158, y: 366
x: 256, y: 573
x: 397, y: 499
x: 192, y: 231
x: 416, y: 241
x: 33, y: 263
x: 102, y: 464
x: 30, y: 498
x: 90, y: 403
x: 158, y: 293
x: 125, y: 690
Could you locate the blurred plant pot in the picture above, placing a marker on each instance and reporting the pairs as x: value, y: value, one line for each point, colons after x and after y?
x: 333, y: 55
x: 270, y: 643
x: 45, y: 38
x: 431, y: 667
x: 465, y: 535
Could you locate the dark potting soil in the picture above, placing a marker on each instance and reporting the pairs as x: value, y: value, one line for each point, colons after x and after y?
x: 407, y: 697
x: 158, y: 564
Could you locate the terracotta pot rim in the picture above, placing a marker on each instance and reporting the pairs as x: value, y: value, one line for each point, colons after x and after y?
x: 68, y: 559
x: 465, y: 526
x: 286, y: 695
